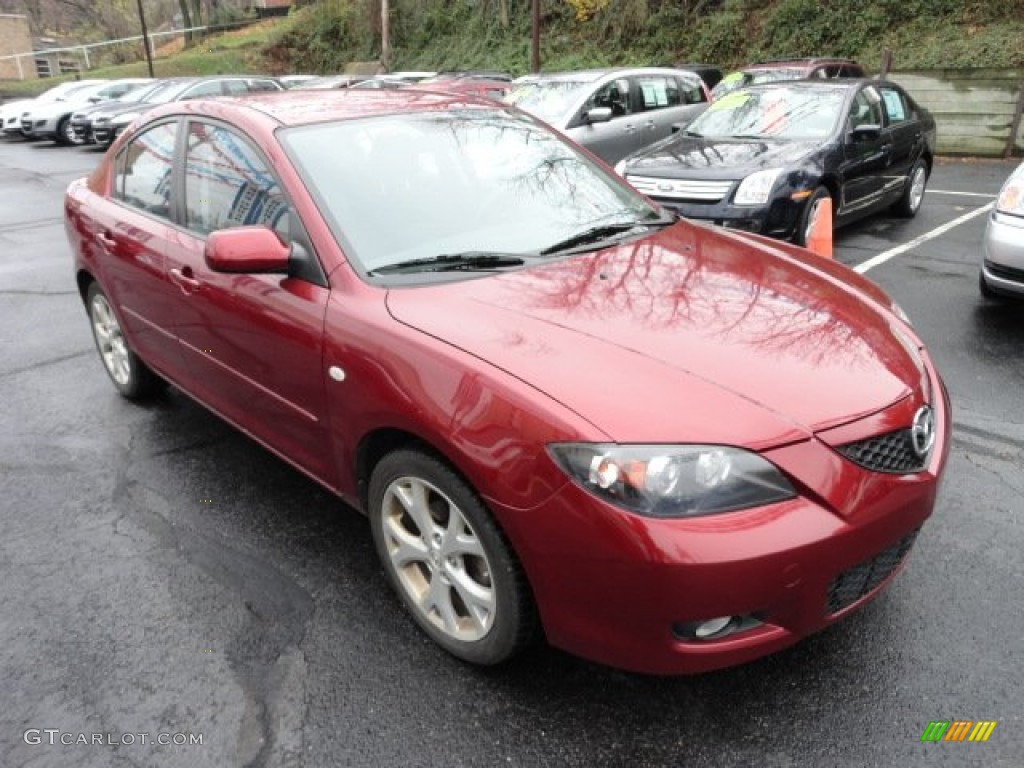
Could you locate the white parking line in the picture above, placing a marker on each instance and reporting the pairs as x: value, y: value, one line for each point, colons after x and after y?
x: 884, y: 256
x: 960, y: 194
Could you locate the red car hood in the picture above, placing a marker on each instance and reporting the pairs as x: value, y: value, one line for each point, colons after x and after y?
x: 688, y: 335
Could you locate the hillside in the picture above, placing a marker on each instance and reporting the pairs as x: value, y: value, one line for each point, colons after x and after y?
x: 452, y: 34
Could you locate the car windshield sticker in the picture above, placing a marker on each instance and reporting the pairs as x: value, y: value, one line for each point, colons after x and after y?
x: 893, y: 105
x: 730, y: 101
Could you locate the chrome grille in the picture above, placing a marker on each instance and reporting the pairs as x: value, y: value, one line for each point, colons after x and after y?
x: 892, y: 452
x: 681, y: 189
x: 853, y: 584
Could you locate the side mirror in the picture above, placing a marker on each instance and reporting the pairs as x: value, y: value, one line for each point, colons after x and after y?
x: 865, y: 132
x: 246, y: 249
x: 599, y: 115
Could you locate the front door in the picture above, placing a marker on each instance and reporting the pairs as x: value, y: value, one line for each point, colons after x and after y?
x: 866, y: 156
x: 254, y: 342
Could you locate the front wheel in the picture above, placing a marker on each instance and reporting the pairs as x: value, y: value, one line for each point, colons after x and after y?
x: 65, y: 133
x: 447, y: 559
x: 810, y: 215
x: 913, y: 192
x: 132, y: 378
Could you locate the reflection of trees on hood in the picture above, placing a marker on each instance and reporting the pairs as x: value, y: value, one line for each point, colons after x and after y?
x: 722, y: 291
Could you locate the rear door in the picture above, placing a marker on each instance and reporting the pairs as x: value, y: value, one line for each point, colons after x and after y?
x: 253, y: 342
x: 132, y: 228
x: 904, y: 133
x: 663, y: 101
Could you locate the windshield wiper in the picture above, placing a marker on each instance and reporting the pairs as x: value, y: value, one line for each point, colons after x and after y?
x: 605, y: 231
x: 470, y: 261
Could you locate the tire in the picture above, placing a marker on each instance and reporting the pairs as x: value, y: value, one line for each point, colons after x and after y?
x: 63, y: 129
x: 913, y: 192
x: 803, y: 230
x: 130, y: 376
x: 461, y: 582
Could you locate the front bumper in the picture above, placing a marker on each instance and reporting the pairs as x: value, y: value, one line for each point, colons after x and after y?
x: 1003, y: 267
x: 82, y: 127
x: 779, y: 218
x: 39, y: 128
x: 621, y: 589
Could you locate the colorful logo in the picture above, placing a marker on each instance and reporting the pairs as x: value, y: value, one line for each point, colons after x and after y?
x: 958, y: 730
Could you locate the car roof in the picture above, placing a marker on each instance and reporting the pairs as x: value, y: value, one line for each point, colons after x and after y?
x: 293, y: 107
x: 591, y: 75
x: 797, y: 63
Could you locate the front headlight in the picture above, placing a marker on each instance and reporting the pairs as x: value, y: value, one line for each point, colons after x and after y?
x: 673, y: 480
x: 756, y: 189
x: 620, y: 167
x: 125, y: 118
x: 1011, y: 197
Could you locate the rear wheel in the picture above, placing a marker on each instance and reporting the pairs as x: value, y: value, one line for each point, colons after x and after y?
x: 913, y: 193
x: 447, y: 559
x: 132, y: 378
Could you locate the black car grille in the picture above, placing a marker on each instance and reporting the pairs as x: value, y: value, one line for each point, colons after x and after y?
x: 850, y: 586
x: 1006, y: 273
x: 892, y: 452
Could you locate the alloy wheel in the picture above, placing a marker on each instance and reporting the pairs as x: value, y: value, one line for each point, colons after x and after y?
x: 110, y: 341
x: 438, y: 559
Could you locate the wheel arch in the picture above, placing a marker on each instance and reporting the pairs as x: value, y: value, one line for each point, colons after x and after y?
x: 84, y: 279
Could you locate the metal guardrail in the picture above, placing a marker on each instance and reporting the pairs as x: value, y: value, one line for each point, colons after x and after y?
x: 84, y: 48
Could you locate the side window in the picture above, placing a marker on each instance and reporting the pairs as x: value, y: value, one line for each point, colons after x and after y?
x: 691, y: 92
x: 227, y: 184
x: 895, y: 107
x: 204, y: 90
x: 866, y: 110
x: 614, y: 95
x: 262, y: 85
x: 657, y: 91
x: 235, y: 87
x: 143, y: 170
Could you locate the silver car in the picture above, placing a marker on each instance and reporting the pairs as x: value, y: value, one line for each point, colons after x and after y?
x: 613, y: 112
x: 1002, y: 272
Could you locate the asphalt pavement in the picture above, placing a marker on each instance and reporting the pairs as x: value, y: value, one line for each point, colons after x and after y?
x: 161, y: 574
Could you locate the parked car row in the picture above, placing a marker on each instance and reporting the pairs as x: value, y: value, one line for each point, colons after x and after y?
x: 96, y: 111
x: 760, y: 151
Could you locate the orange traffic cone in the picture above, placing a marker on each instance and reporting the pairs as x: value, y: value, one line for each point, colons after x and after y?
x: 820, y: 239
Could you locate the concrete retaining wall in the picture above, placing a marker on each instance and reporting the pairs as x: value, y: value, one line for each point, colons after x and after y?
x: 973, y: 108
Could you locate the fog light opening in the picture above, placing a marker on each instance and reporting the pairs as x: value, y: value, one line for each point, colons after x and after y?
x: 714, y: 629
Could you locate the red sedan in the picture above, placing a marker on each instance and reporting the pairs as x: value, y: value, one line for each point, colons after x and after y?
x: 668, y: 448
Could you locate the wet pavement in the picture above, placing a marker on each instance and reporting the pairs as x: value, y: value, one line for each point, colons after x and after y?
x: 160, y: 573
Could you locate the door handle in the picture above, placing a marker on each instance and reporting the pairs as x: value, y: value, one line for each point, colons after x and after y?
x: 629, y: 128
x: 650, y: 124
x: 184, y: 280
x: 105, y: 240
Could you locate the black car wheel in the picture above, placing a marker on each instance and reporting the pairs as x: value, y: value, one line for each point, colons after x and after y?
x: 65, y: 133
x: 448, y: 561
x: 811, y: 210
x: 913, y: 192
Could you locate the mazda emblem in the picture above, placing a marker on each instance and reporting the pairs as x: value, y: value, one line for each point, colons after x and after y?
x: 922, y: 431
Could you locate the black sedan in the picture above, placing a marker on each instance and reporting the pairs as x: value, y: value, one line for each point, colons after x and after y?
x: 761, y: 159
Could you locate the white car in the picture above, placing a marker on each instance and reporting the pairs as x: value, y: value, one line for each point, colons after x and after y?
x: 11, y: 111
x: 1002, y: 271
x: 53, y: 120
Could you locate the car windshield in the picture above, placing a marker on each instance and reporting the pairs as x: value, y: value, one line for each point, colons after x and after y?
x: 737, y: 80
x: 168, y: 92
x: 547, y: 99
x: 420, y: 186
x: 776, y: 112
x: 140, y: 92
